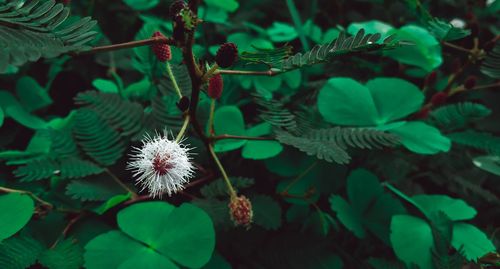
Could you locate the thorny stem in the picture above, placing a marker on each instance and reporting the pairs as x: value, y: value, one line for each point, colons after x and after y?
x: 121, y: 184
x: 131, y: 44
x: 183, y: 129
x: 211, y: 118
x: 174, y: 81
x: 32, y: 195
x: 227, y: 136
x: 232, y: 192
x: 250, y: 73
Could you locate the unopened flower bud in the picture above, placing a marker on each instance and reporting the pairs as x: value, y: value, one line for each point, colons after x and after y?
x: 162, y: 51
x: 215, y: 86
x: 226, y: 55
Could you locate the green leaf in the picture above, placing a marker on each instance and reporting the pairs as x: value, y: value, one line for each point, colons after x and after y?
x: 142, y: 5
x: 16, y: 210
x: 112, y: 202
x: 455, y: 209
x: 155, y: 234
x: 422, y: 138
x: 267, y: 212
x: 229, y: 120
x: 258, y: 150
x: 370, y: 27
x: 67, y: 254
x: 99, y: 188
x: 344, y: 101
x: 347, y: 215
x: 489, y: 163
x: 473, y: 241
x: 19, y: 252
x: 217, y: 262
x: 425, y: 53
x: 31, y: 95
x: 281, y: 32
x: 105, y: 85
x: 12, y: 108
x: 2, y: 116
x: 412, y: 240
x: 227, y: 5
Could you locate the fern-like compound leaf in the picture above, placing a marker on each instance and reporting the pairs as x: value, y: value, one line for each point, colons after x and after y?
x: 123, y: 116
x: 218, y: 187
x: 343, y: 45
x: 478, y: 140
x: 331, y: 144
x: 33, y: 29
x: 164, y: 115
x: 97, y: 139
x: 275, y: 113
x: 458, y: 115
x: 66, y: 254
x: 491, y: 64
x: 66, y: 168
x: 19, y: 252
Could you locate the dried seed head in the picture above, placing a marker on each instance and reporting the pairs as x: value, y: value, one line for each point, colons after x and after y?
x: 240, y: 211
x: 215, y: 86
x: 226, y: 55
x: 162, y: 51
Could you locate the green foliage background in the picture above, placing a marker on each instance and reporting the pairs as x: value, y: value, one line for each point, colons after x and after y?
x: 360, y: 164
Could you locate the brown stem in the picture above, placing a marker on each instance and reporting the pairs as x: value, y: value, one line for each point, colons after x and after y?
x: 131, y: 44
x: 453, y: 46
x: 249, y: 73
x: 226, y: 136
x: 32, y: 195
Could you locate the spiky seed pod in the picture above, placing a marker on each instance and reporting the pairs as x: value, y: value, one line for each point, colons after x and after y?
x: 162, y: 51
x: 439, y: 98
x: 215, y: 86
x: 161, y: 165
x: 176, y: 7
x: 470, y: 82
x: 226, y: 55
x: 240, y: 211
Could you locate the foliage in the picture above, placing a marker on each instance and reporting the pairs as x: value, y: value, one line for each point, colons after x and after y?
x: 364, y: 134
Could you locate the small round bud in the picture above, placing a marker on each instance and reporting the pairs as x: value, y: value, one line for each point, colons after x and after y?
x: 439, y: 98
x: 183, y: 104
x: 176, y: 7
x: 215, y: 86
x: 240, y: 211
x: 162, y: 51
x: 226, y: 55
x: 470, y: 82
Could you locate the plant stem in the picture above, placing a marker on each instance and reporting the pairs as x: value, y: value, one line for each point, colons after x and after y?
x: 211, y: 118
x: 232, y: 192
x: 226, y: 136
x: 131, y: 44
x: 121, y: 184
x: 183, y: 129
x: 211, y: 71
x: 453, y: 46
x: 250, y: 73
x: 32, y: 195
x: 298, y: 23
x: 295, y: 180
x: 174, y: 81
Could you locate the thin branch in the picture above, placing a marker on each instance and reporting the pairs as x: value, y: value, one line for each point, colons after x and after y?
x: 453, y: 46
x: 128, y: 45
x: 121, y: 184
x: 32, y: 195
x: 270, y: 73
x: 226, y: 136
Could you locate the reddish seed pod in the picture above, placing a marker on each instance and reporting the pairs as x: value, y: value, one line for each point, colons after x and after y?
x: 226, y: 55
x: 470, y: 82
x: 240, y: 211
x: 162, y: 51
x: 215, y: 86
x: 422, y: 114
x: 439, y: 98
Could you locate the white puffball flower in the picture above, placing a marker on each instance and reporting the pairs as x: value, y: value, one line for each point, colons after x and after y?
x: 161, y: 165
